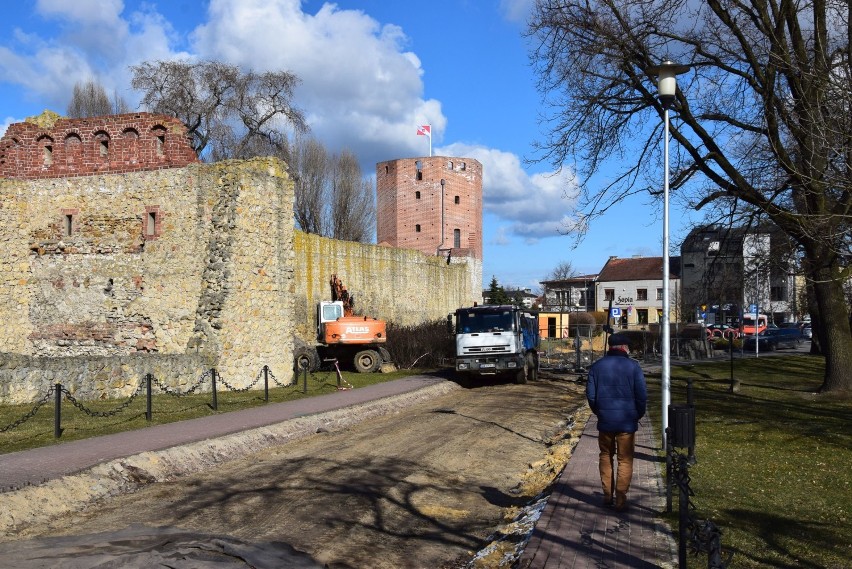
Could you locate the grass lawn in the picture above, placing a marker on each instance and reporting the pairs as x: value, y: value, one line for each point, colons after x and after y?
x: 38, y: 430
x: 774, y: 467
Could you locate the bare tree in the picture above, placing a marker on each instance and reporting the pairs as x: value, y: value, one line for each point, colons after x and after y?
x: 352, y: 206
x: 236, y: 113
x: 762, y: 120
x: 332, y: 197
x: 564, y: 270
x: 90, y: 100
x: 309, y: 162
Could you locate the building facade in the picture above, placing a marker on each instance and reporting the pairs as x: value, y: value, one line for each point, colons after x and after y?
x: 635, y: 286
x: 728, y: 271
x: 431, y: 204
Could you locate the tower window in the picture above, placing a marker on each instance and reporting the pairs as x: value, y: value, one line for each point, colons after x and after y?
x: 456, y: 238
x: 417, y: 228
x: 419, y: 166
x: 48, y: 155
x: 417, y: 195
x: 151, y: 224
x: 68, y: 224
x: 457, y: 200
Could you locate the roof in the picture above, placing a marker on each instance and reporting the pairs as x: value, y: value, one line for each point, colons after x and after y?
x: 638, y: 269
x: 583, y: 280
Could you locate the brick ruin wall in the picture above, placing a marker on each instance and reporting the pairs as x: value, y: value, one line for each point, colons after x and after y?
x: 173, y: 271
x: 50, y: 146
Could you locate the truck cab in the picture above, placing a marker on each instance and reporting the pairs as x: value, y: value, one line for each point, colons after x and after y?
x: 493, y: 340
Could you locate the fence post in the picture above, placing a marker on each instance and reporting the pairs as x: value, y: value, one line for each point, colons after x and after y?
x: 690, y: 402
x: 215, y: 399
x: 266, y: 383
x: 305, y: 377
x: 57, y: 411
x: 683, y: 510
x: 149, y: 379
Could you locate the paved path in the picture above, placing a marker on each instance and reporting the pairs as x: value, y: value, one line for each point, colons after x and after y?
x: 576, y: 531
x: 38, y: 465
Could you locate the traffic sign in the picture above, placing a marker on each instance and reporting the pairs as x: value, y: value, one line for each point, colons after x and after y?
x: 615, y: 312
x: 752, y: 308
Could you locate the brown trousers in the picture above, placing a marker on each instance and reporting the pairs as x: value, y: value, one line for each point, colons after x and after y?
x: 620, y: 445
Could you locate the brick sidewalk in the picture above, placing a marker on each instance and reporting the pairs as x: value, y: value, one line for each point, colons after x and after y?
x: 575, y: 531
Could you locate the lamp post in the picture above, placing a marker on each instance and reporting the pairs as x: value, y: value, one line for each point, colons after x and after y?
x: 666, y: 73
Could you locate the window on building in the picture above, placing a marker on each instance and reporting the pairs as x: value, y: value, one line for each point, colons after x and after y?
x: 151, y: 224
x: 642, y: 315
x: 458, y: 200
x: 659, y: 294
x: 641, y: 294
x: 48, y: 155
x: 73, y: 149
x: 417, y: 228
x: 417, y: 195
x: 609, y: 294
x: 456, y: 238
x: 462, y: 166
x: 581, y: 300
x: 418, y: 165
x: 450, y: 165
x: 551, y: 327
x: 777, y: 293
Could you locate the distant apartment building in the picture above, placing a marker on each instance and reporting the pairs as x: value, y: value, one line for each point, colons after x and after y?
x: 727, y: 271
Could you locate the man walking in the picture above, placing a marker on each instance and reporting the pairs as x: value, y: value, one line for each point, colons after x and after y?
x: 617, y: 394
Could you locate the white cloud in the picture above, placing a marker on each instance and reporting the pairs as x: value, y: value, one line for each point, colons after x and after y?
x: 359, y: 87
x: 516, y: 10
x: 534, y: 206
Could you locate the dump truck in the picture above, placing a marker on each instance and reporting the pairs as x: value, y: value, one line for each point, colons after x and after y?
x: 495, y: 340
x: 352, y: 340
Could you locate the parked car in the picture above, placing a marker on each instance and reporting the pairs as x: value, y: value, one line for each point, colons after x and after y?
x: 773, y: 338
x: 807, y: 331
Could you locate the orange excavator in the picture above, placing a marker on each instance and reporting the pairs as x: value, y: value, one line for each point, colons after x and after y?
x: 344, y: 336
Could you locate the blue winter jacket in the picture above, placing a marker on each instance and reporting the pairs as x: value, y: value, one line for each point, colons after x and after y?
x: 616, y: 392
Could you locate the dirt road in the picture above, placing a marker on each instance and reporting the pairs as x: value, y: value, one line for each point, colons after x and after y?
x: 424, y: 486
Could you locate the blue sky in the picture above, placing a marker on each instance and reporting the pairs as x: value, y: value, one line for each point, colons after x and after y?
x: 371, y: 71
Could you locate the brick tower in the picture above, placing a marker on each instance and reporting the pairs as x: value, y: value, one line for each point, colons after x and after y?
x: 432, y: 204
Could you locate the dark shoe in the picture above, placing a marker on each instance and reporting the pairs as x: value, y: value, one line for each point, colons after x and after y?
x: 620, y: 503
x: 607, y: 501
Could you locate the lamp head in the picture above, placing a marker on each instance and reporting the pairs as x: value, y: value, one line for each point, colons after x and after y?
x: 667, y: 73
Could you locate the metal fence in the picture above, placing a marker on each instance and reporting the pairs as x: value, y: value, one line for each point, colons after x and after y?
x: 58, y: 393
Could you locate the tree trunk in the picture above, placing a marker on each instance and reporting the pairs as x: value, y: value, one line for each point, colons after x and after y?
x: 834, y: 333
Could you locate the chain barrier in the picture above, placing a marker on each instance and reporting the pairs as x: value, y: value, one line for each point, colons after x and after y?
x: 73, y: 400
x: 240, y: 389
x: 278, y: 383
x: 148, y: 381
x: 31, y: 414
x: 174, y: 393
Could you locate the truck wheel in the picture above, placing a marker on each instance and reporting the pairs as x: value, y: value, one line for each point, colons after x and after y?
x: 523, y: 373
x: 367, y: 361
x: 306, y: 358
x: 532, y: 364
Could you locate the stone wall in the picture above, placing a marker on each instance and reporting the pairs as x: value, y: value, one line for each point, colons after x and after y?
x: 108, y: 277
x: 402, y: 286
x: 215, y: 279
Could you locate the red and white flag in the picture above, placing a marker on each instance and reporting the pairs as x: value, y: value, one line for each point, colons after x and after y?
x: 424, y: 130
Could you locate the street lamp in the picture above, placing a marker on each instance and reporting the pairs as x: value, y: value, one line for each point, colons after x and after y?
x: 666, y: 73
